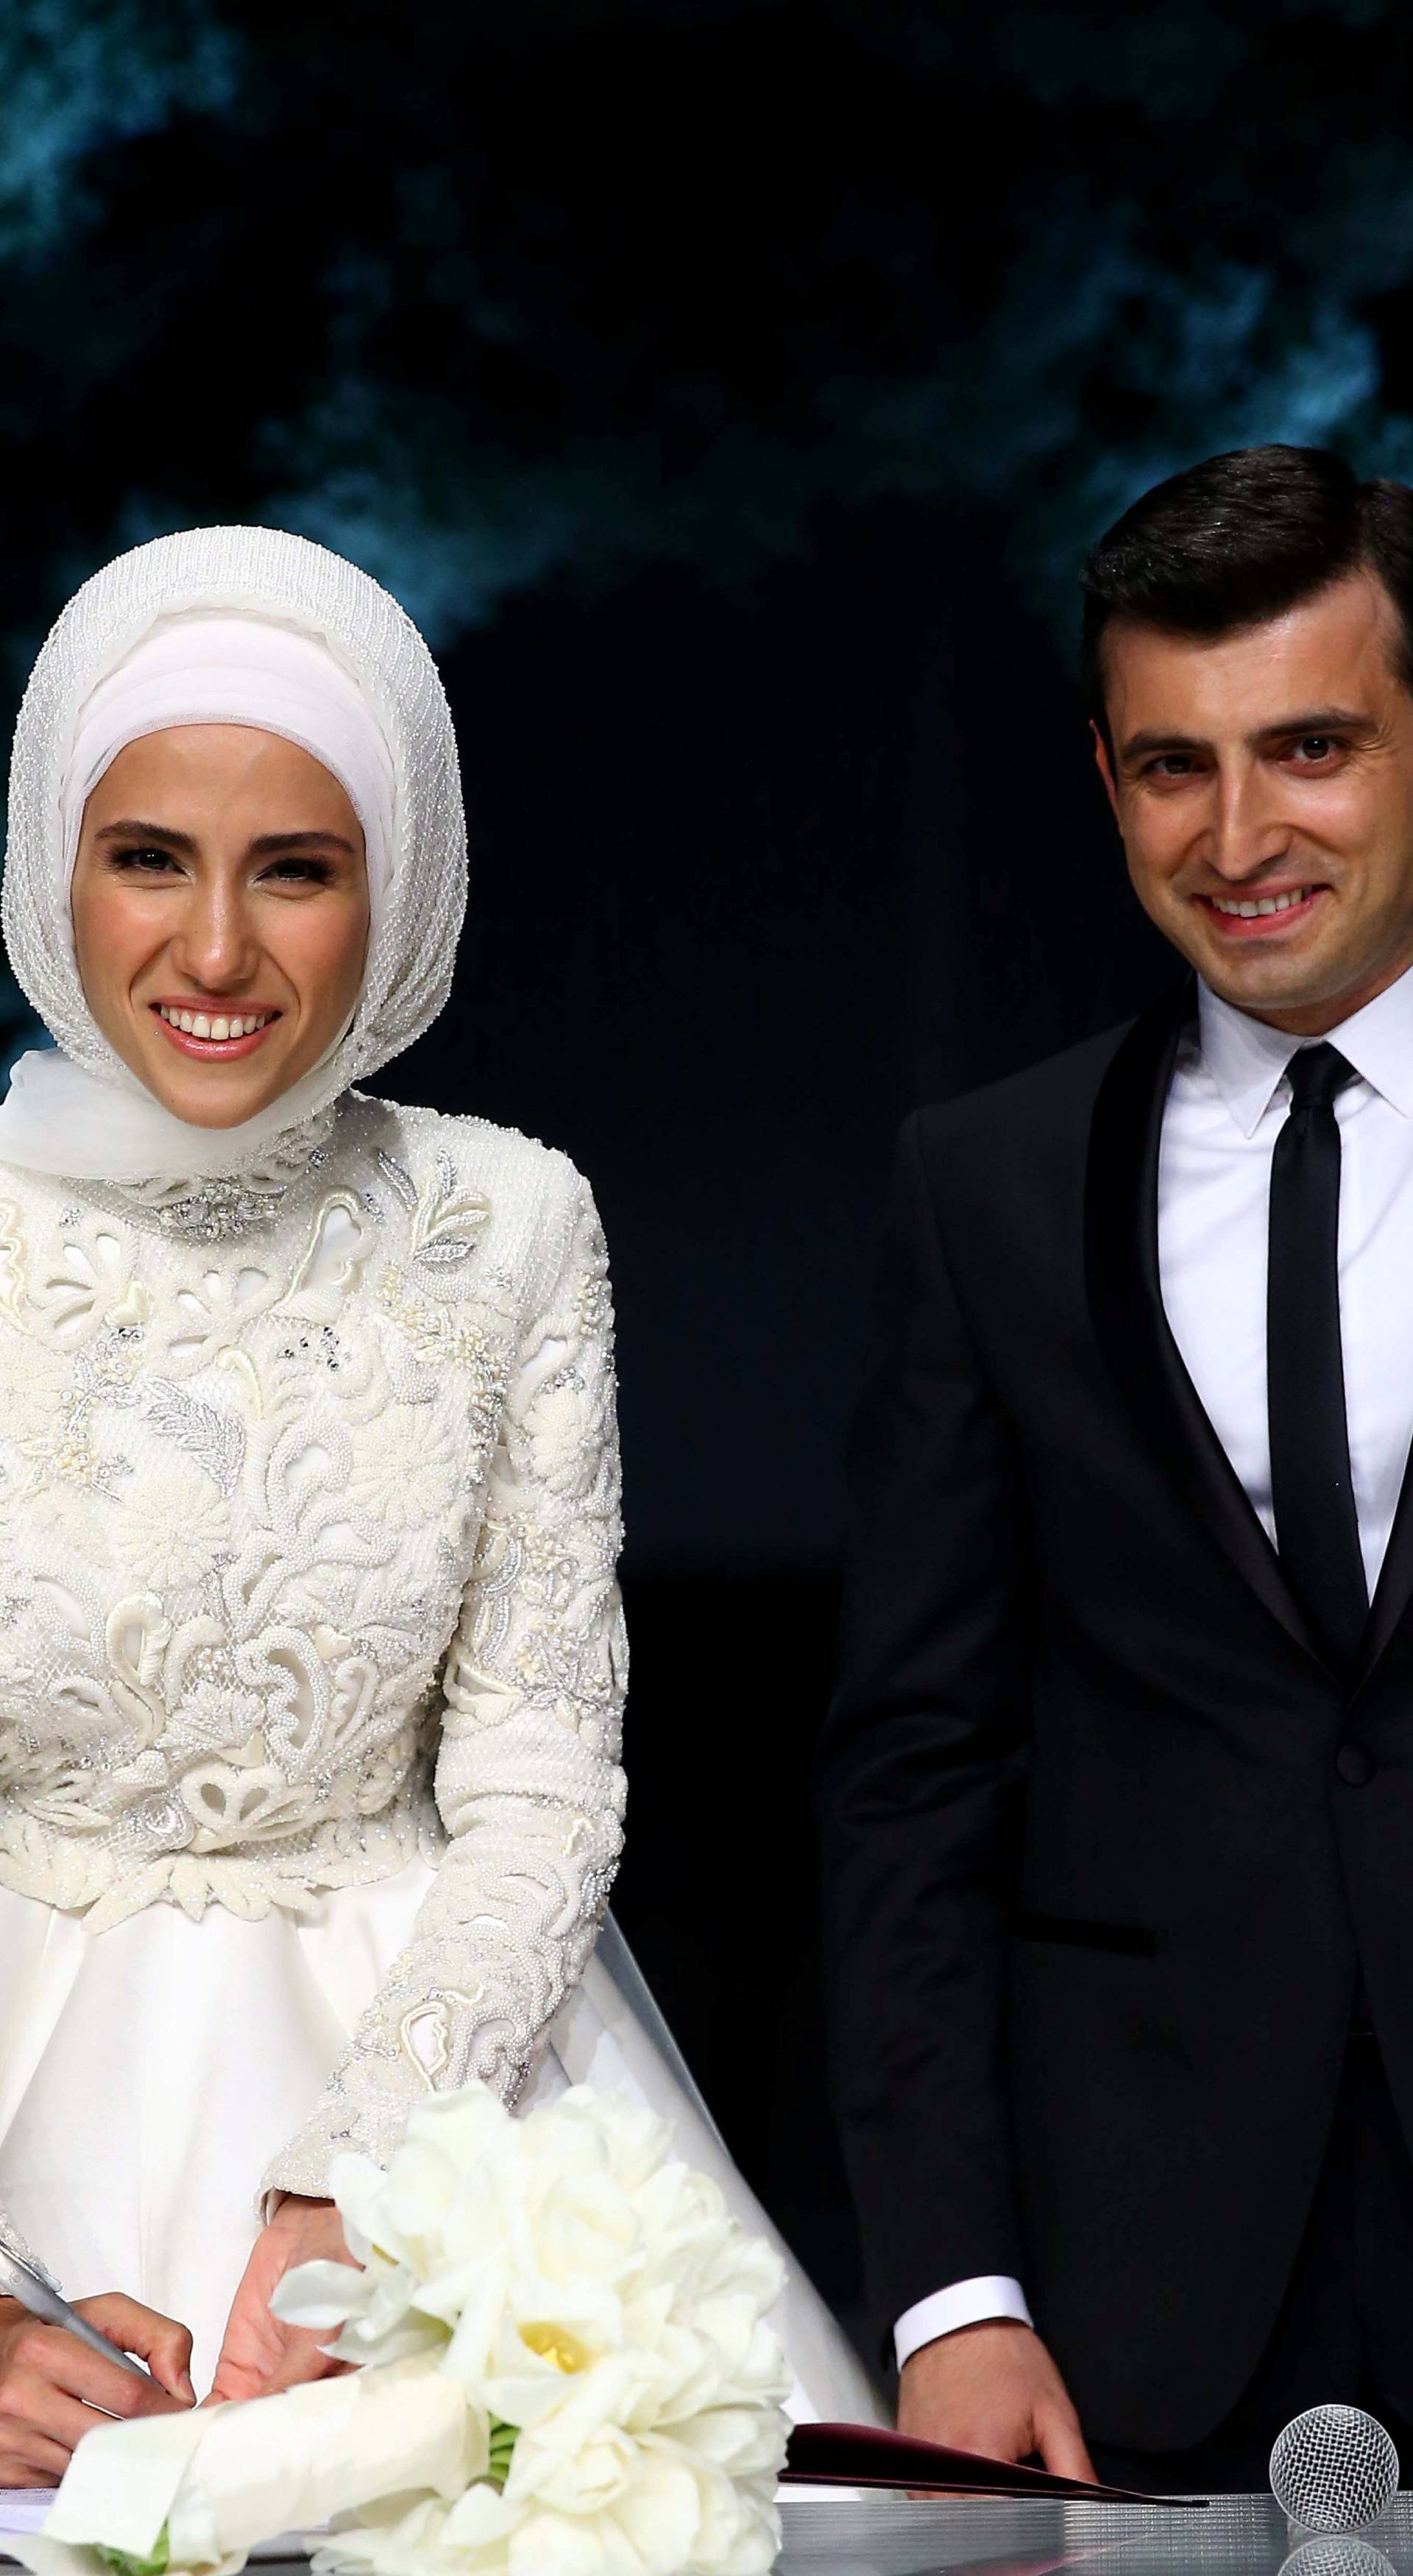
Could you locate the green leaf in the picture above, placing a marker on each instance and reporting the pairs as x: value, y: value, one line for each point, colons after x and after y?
x: 124, y: 2564
x: 503, y: 2440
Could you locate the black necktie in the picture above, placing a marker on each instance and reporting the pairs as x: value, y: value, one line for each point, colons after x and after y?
x: 1317, y: 1531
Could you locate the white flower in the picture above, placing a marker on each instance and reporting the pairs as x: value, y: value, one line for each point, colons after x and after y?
x: 171, y: 1530
x: 565, y: 2372
x: 563, y: 1424
x: 404, y: 1467
x: 215, y: 1716
x: 590, y: 2291
x: 87, y: 1282
x: 66, y: 1512
x: 33, y: 1382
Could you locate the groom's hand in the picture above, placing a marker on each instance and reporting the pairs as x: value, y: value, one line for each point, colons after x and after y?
x: 993, y: 2387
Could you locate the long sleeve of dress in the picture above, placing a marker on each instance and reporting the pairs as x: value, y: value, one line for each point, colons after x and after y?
x: 528, y: 1781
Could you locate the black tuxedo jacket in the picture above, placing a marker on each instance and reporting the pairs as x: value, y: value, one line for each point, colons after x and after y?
x: 1105, y: 1841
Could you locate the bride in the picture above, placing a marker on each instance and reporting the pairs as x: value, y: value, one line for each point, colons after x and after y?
x: 311, y: 1656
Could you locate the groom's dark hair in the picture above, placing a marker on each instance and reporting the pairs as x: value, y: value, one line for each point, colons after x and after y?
x: 1242, y: 538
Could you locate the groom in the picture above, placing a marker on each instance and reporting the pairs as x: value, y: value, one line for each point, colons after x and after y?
x: 1118, y: 1780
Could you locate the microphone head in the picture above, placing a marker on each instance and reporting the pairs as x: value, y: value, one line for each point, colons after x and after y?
x: 1336, y: 2553
x: 1333, y: 2469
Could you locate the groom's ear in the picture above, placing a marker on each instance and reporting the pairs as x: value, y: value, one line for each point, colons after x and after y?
x: 1103, y: 762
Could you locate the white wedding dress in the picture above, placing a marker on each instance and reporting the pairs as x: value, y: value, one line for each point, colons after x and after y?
x: 311, y: 1672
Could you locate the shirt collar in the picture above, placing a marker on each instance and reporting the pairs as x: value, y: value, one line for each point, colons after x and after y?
x: 1246, y: 1059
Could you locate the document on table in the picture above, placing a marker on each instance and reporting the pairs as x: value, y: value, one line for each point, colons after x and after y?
x: 24, y: 2508
x: 866, y: 2455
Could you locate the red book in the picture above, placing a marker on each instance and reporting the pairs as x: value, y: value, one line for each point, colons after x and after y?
x: 863, y: 2455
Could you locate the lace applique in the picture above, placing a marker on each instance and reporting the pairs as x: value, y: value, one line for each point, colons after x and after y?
x: 306, y: 1564
x: 528, y: 1781
x: 215, y: 1210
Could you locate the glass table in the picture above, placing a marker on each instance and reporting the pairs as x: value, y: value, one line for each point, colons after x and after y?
x: 896, y: 2535
x: 890, y: 2535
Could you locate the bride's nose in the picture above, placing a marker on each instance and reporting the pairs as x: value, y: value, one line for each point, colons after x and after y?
x: 215, y: 941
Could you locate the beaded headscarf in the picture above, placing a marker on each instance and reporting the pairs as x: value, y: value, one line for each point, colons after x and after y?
x: 113, y: 1127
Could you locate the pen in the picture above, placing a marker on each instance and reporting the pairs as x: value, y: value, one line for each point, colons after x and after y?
x: 19, y: 2281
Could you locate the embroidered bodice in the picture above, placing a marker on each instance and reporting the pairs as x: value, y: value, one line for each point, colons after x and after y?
x: 308, y: 1525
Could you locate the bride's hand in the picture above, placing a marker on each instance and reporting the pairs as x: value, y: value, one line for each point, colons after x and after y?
x: 53, y: 2390
x: 258, y: 2354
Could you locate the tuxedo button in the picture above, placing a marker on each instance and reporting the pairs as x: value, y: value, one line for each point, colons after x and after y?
x: 1356, y: 1764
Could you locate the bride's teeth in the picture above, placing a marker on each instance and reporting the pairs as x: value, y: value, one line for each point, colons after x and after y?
x: 199, y: 1024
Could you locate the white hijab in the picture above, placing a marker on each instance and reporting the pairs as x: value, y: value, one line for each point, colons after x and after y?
x: 234, y: 626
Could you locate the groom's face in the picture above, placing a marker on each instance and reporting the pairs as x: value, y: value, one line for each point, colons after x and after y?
x: 1263, y: 785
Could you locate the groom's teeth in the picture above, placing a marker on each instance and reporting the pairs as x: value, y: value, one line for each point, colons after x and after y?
x: 1248, y: 910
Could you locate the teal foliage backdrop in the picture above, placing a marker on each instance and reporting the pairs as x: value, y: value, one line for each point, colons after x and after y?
x: 730, y: 387
x: 495, y: 295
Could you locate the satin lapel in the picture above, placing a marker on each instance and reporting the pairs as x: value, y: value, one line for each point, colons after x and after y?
x: 1394, y: 1586
x: 1125, y: 1298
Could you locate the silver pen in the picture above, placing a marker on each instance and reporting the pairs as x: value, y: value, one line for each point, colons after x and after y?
x: 20, y: 2281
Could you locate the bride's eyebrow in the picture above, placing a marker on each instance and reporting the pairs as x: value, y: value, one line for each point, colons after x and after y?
x: 270, y: 842
x: 269, y: 845
x: 130, y: 830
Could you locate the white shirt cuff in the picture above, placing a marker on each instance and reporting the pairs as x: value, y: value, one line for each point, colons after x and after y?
x: 966, y: 2303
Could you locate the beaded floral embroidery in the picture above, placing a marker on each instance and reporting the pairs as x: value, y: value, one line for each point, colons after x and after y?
x: 309, y: 1533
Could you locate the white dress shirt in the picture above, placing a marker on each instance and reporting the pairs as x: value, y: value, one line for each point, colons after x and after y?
x: 1226, y: 1106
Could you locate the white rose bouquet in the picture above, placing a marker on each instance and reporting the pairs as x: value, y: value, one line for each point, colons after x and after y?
x: 563, y: 2369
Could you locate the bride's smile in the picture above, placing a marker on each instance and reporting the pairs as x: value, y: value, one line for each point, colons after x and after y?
x: 312, y: 1659
x: 220, y: 910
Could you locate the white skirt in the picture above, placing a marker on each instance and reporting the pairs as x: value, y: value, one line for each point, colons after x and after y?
x: 149, y: 2074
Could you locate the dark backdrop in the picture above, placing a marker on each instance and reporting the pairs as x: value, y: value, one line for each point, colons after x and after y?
x: 756, y: 871
x: 730, y: 387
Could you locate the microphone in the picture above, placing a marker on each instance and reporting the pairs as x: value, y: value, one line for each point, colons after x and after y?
x: 1336, y: 2553
x: 1333, y: 2469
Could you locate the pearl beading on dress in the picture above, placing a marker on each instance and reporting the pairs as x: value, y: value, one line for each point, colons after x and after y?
x: 309, y: 1539
x: 214, y: 1210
